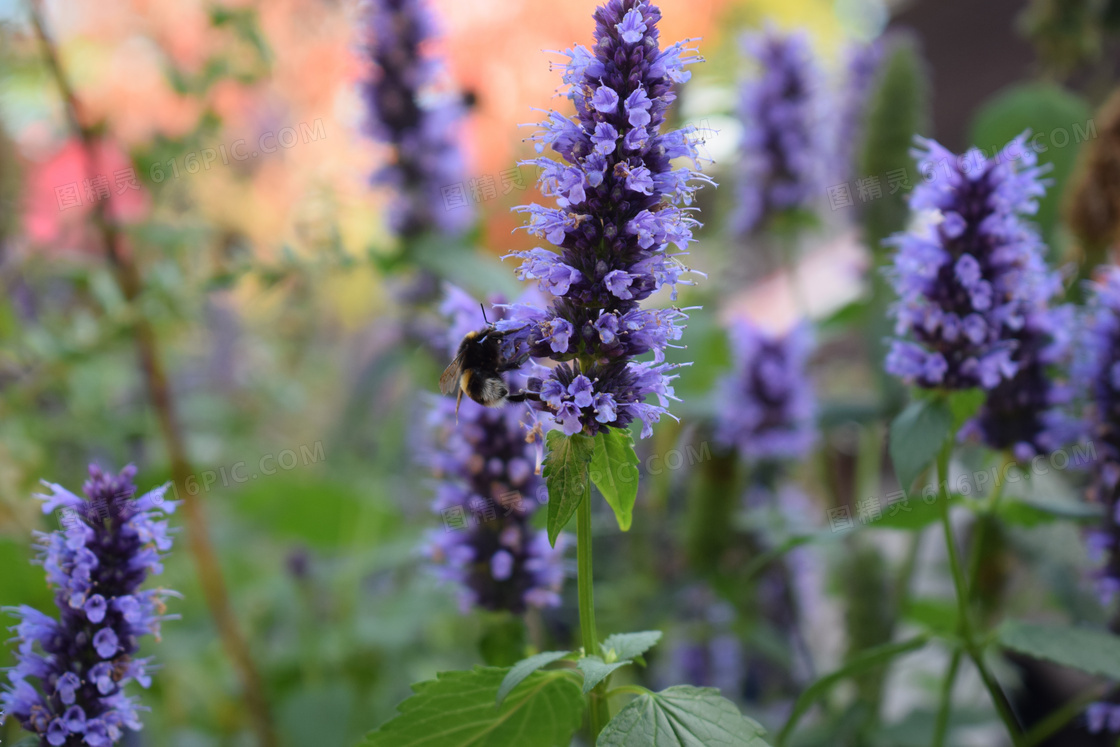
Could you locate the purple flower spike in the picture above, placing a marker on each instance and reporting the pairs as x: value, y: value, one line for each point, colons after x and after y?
x: 427, y: 163
x: 862, y: 66
x: 767, y: 408
x: 1026, y: 413
x: 1096, y: 375
x: 487, y: 488
x: 970, y: 277
x: 783, y: 143
x: 109, y: 544
x: 621, y: 208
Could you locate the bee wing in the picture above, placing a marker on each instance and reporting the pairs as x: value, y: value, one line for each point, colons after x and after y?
x: 449, y: 379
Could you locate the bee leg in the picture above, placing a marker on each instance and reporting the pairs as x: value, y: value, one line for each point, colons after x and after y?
x: 514, y: 364
x: 458, y: 401
x: 524, y: 396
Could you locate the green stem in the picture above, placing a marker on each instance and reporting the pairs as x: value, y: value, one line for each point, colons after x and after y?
x: 597, y: 707
x: 942, y: 725
x: 977, y: 553
x: 1003, y: 707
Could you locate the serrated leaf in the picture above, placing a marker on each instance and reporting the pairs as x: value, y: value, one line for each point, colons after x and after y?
x: 1092, y: 651
x: 681, y: 716
x: 566, y: 474
x: 1030, y: 512
x: 457, y: 709
x: 865, y: 660
x: 629, y: 645
x: 595, y: 670
x: 917, y: 435
x: 614, y: 470
x: 522, y: 669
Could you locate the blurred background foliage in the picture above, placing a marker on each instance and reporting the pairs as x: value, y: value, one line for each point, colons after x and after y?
x: 284, y: 321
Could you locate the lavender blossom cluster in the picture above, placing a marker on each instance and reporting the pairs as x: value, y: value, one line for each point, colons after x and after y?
x: 1027, y: 413
x: 862, y: 62
x: 1097, y: 374
x: 767, y: 408
x: 486, y: 477
x: 783, y: 143
x: 404, y: 113
x: 970, y: 277
x: 620, y: 204
x: 68, y: 683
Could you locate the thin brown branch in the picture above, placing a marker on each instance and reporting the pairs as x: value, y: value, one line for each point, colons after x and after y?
x: 155, y: 377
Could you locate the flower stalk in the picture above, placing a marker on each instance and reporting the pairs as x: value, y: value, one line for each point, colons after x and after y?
x: 960, y: 587
x: 597, y: 706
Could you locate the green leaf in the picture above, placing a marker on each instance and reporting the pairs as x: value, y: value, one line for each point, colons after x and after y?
x: 457, y: 709
x: 681, y: 716
x: 917, y: 435
x: 629, y: 645
x: 911, y: 513
x: 864, y: 661
x: 936, y: 615
x: 1031, y: 512
x: 1092, y: 651
x: 614, y: 470
x: 964, y: 404
x: 595, y: 670
x: 1058, y: 118
x: 522, y: 669
x: 565, y: 473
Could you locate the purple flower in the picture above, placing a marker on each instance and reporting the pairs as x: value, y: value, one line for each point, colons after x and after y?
x: 783, y: 144
x: 618, y: 228
x: 1095, y: 374
x: 970, y: 277
x: 81, y: 662
x: 1103, y: 716
x: 605, y: 99
x: 427, y: 169
x: 850, y: 105
x: 704, y: 649
x: 766, y: 404
x: 1026, y: 413
x: 487, y: 487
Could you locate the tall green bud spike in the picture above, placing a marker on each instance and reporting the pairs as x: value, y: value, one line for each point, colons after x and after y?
x: 898, y: 110
x: 869, y: 618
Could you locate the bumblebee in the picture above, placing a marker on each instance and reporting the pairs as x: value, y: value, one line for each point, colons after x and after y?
x: 477, y: 370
